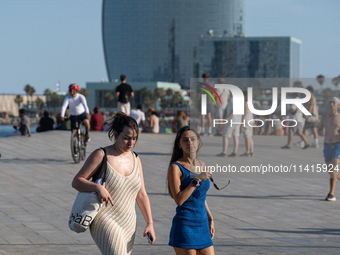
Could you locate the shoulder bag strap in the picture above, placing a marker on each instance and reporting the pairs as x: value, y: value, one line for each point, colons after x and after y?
x: 103, y: 163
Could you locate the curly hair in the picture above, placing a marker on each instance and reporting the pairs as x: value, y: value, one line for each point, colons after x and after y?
x: 118, y: 122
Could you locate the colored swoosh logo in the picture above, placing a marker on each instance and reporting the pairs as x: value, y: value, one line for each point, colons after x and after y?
x: 209, y: 95
x: 213, y: 90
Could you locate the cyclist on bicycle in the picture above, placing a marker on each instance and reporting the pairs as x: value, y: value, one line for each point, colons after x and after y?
x: 78, y: 109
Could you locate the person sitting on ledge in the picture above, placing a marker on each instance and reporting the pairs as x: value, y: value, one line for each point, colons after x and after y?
x: 46, y: 123
x: 24, y: 127
x: 153, y: 121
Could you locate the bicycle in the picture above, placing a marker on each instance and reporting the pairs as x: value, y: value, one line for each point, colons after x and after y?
x: 78, y: 143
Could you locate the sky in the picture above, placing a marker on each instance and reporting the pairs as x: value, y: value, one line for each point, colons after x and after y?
x: 43, y: 42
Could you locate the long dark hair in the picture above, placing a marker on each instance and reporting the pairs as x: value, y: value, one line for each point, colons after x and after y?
x: 118, y: 122
x: 177, y: 152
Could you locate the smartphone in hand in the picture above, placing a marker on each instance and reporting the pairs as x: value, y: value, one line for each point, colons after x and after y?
x: 148, y: 236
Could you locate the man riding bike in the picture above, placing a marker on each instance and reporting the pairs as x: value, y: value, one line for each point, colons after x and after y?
x: 78, y: 109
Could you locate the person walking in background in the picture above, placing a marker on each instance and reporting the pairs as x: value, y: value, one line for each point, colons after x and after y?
x: 139, y: 116
x: 97, y: 120
x: 179, y: 121
x: 220, y: 109
x: 114, y: 227
x: 192, y: 227
x: 331, y: 151
x: 296, y: 114
x: 311, y: 121
x: 78, y: 109
x: 24, y: 125
x: 46, y: 123
x: 277, y: 126
x: 123, y: 93
x: 246, y: 129
x: 231, y: 129
x: 210, y: 107
x: 153, y: 121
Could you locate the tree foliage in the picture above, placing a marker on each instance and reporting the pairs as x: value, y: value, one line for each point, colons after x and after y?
x: 84, y: 92
x: 39, y: 103
x: 159, y: 92
x: 148, y: 97
x: 29, y: 91
x: 18, y: 100
x: 56, y: 100
x: 169, y: 92
x: 176, y: 98
x: 108, y: 98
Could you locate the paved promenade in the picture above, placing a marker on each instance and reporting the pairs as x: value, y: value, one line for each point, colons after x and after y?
x: 271, y: 213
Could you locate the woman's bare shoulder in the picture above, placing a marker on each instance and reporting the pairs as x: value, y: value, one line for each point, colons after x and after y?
x: 201, y: 162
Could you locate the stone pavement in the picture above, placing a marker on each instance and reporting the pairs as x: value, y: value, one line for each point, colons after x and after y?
x: 269, y: 213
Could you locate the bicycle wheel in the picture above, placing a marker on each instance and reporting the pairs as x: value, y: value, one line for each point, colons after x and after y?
x: 75, y: 146
x: 83, y: 145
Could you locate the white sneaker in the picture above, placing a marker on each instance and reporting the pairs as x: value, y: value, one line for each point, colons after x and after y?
x: 315, y: 146
x: 300, y: 144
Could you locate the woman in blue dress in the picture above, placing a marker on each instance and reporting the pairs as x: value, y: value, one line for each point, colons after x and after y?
x: 192, y: 228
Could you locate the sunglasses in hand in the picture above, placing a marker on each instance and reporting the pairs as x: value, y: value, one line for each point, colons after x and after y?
x: 215, y: 185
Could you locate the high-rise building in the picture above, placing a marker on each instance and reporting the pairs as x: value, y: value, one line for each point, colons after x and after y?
x: 157, y: 40
x: 250, y: 57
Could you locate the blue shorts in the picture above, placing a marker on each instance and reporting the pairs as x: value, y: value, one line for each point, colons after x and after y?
x: 331, y: 151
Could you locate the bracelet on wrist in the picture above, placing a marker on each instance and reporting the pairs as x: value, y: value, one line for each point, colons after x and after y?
x: 149, y: 223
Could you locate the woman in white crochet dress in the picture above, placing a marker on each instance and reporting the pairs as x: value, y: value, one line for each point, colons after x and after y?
x: 114, y: 227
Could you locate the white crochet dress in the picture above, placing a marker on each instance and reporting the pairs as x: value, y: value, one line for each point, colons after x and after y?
x: 114, y: 227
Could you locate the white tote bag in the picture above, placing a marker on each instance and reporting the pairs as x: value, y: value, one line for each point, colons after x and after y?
x: 87, y: 205
x: 85, y: 208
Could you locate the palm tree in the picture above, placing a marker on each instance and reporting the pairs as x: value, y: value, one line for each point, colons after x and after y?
x: 39, y: 103
x: 336, y: 81
x: 108, y: 98
x: 148, y: 96
x: 27, y: 89
x: 159, y: 92
x: 84, y: 92
x: 47, y: 93
x: 148, y: 100
x: 55, y: 99
x: 145, y: 91
x: 169, y: 92
x: 18, y: 100
x: 32, y: 91
x: 164, y: 103
x: 176, y: 98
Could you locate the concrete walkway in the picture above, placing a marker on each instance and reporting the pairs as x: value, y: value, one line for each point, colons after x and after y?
x: 269, y: 213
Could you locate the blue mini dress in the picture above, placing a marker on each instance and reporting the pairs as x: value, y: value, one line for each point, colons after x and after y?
x: 190, y: 226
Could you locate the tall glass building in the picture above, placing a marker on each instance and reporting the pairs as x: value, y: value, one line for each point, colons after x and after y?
x: 157, y: 40
x: 250, y: 57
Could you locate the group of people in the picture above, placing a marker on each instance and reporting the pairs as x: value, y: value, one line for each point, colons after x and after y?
x: 192, y: 231
x: 304, y: 123
x: 225, y: 111
x: 149, y: 124
x: 230, y: 129
x: 114, y: 227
